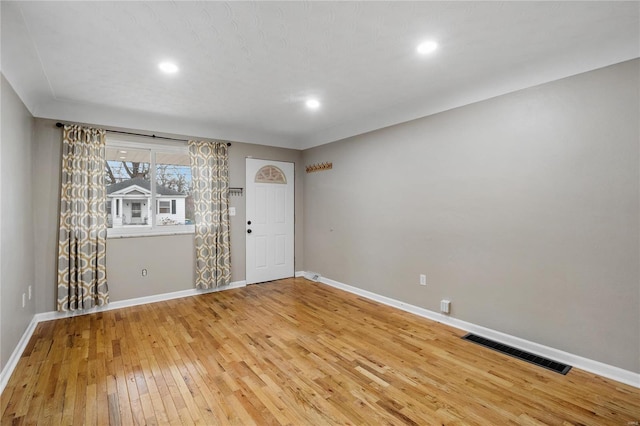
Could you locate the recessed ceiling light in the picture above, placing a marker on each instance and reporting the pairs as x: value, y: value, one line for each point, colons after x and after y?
x: 312, y: 104
x: 427, y: 47
x: 122, y: 157
x: 123, y: 152
x: 168, y: 67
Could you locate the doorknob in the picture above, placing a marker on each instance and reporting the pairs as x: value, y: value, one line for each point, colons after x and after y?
x: 248, y: 231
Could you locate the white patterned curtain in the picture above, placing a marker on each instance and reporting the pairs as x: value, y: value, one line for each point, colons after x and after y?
x: 82, y: 272
x: 210, y: 176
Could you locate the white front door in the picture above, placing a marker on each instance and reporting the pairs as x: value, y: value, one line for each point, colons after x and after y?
x: 270, y: 220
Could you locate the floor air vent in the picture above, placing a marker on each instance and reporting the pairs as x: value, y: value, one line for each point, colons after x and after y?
x: 517, y: 353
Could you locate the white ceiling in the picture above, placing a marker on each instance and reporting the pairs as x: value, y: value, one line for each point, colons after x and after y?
x: 247, y: 67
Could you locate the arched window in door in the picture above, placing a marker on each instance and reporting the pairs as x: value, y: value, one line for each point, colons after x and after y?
x: 270, y: 174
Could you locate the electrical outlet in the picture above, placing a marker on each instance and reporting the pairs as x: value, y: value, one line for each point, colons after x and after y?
x: 144, y: 272
x: 29, y: 292
x: 24, y: 300
x: 423, y: 279
x: 445, y: 306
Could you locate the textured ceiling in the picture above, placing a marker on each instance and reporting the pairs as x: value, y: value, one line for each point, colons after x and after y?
x: 247, y: 67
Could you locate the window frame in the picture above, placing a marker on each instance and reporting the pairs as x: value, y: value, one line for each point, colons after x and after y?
x: 152, y: 229
x: 160, y: 207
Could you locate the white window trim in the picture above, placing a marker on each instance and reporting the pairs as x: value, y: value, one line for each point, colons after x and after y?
x: 133, y: 231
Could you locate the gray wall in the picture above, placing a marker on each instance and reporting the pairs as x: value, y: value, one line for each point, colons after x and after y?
x: 168, y: 259
x: 17, y: 242
x: 47, y: 154
x: 522, y: 210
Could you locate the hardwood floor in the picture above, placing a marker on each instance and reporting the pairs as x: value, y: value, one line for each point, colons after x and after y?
x: 289, y: 352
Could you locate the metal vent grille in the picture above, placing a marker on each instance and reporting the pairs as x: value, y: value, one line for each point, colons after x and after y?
x: 517, y: 353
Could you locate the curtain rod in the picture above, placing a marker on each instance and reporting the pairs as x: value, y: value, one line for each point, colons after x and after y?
x: 58, y: 124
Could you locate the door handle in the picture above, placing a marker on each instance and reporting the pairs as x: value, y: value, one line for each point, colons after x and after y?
x: 248, y: 231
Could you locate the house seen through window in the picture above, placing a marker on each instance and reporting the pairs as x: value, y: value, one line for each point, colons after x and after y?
x: 148, y: 189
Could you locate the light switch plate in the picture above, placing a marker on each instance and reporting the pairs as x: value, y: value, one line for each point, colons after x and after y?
x: 232, y: 211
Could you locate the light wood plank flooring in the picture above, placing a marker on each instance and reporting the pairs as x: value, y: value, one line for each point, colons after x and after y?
x: 289, y: 352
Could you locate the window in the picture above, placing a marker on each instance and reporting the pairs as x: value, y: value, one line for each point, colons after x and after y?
x: 148, y: 187
x: 164, y: 206
x: 109, y: 216
x: 168, y: 206
x: 270, y: 174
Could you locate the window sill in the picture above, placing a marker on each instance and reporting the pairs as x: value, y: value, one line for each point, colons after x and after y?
x: 183, y: 230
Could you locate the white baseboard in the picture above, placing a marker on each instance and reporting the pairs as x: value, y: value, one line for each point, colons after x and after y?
x: 299, y: 274
x: 12, y: 362
x: 48, y: 316
x: 596, y: 367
